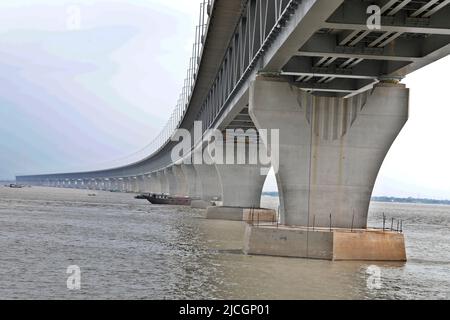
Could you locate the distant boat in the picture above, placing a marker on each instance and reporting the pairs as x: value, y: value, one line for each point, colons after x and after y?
x: 15, y: 186
x: 165, y: 199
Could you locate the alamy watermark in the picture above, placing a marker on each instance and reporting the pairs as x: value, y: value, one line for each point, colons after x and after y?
x: 230, y: 147
x: 374, y: 280
x: 374, y: 20
x: 74, y: 279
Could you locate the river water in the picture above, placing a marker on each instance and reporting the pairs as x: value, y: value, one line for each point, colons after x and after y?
x: 128, y: 249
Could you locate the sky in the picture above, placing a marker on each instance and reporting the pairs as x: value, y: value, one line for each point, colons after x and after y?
x: 86, y: 83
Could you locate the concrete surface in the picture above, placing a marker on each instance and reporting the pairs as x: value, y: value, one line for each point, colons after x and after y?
x: 241, y: 214
x: 331, y: 149
x: 335, y: 245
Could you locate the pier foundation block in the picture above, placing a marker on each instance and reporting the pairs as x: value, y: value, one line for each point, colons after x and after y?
x: 323, y: 244
x: 241, y: 214
x: 200, y: 204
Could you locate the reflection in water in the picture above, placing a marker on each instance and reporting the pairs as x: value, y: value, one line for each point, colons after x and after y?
x: 128, y: 249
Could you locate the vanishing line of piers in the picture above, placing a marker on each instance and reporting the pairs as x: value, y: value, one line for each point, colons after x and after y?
x: 330, y: 152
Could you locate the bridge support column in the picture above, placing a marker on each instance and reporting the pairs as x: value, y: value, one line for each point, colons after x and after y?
x: 148, y: 181
x: 164, y: 182
x: 113, y: 184
x: 126, y: 184
x: 211, y: 189
x: 155, y: 183
x: 242, y: 184
x: 181, y: 182
x: 98, y: 184
x: 105, y: 184
x: 209, y: 185
x: 135, y: 184
x: 130, y: 182
x: 122, y: 185
x: 171, y: 180
x: 192, y: 180
x: 331, y: 150
x: 141, y: 184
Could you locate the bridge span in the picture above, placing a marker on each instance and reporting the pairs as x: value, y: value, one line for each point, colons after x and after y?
x: 326, y: 76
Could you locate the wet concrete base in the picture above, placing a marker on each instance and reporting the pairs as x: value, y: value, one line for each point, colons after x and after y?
x: 241, y: 214
x: 200, y: 204
x: 335, y: 245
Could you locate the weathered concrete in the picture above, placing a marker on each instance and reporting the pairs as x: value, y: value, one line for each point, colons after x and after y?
x: 209, y: 180
x: 331, y: 149
x: 171, y: 180
x: 359, y: 245
x: 113, y: 184
x: 134, y: 184
x: 164, y: 182
x: 242, y: 184
x: 148, y: 183
x: 155, y: 183
x: 201, y: 204
x: 241, y: 214
x: 192, y: 180
x: 182, y: 188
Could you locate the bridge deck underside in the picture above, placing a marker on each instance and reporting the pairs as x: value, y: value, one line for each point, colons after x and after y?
x: 344, y: 56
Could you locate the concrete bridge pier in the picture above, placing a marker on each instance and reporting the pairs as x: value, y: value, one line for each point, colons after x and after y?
x: 241, y: 184
x: 171, y: 180
x: 127, y: 184
x: 131, y: 184
x: 193, y: 182
x: 331, y: 150
x: 106, y: 184
x: 114, y: 184
x: 141, y: 182
x: 149, y: 182
x: 210, y: 185
x: 135, y: 184
x: 176, y: 181
x: 146, y: 183
x: 164, y: 182
x: 155, y: 183
x: 121, y: 184
x: 181, y: 182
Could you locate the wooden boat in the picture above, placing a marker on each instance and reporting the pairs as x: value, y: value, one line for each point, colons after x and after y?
x: 166, y: 199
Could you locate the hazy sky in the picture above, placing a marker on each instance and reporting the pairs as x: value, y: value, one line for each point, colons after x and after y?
x: 78, y: 99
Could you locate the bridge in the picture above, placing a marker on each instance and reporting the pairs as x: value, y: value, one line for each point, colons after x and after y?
x: 323, y: 75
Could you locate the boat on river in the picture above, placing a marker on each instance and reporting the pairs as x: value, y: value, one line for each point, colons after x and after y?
x: 165, y: 199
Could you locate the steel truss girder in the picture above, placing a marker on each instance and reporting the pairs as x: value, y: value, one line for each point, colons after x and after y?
x: 367, y: 69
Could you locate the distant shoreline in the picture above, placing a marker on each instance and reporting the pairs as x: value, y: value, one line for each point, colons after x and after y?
x: 392, y: 199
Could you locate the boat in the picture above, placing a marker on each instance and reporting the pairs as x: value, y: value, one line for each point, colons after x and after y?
x: 15, y: 186
x: 165, y: 199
